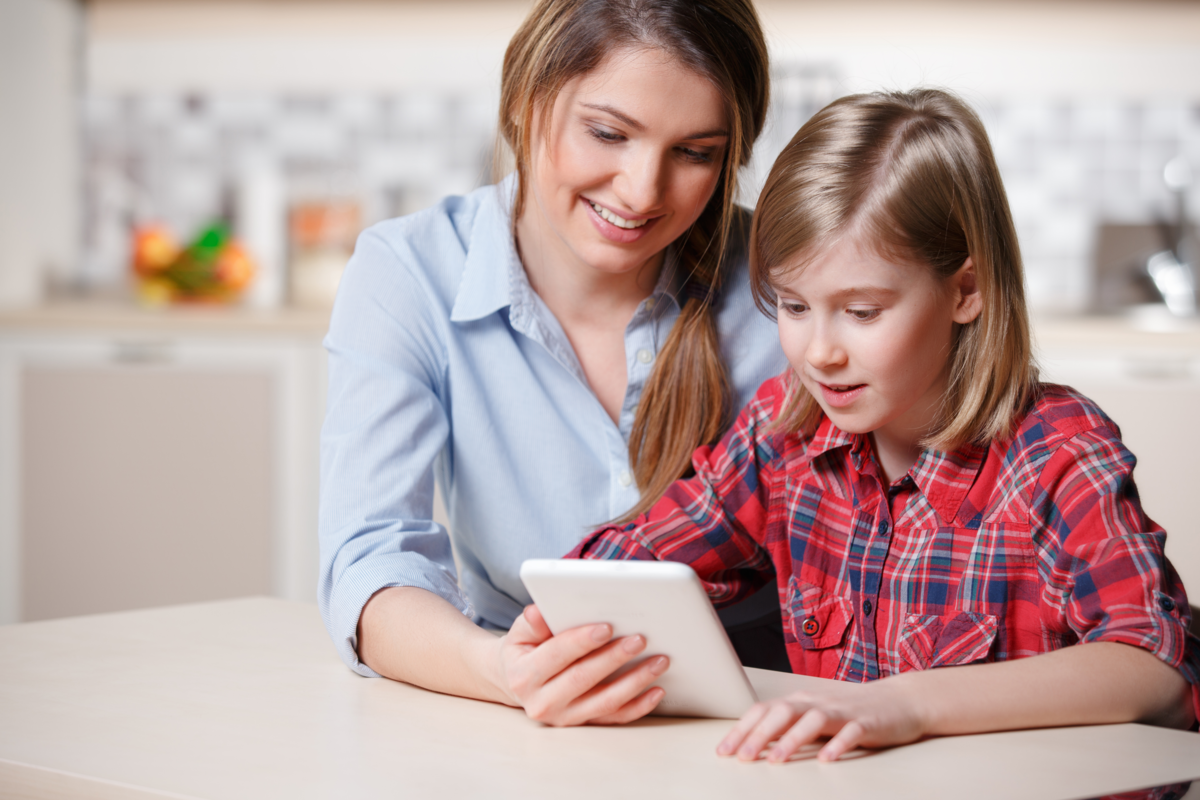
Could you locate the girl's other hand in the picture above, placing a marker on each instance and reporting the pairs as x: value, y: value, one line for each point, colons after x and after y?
x: 564, y: 680
x: 877, y: 714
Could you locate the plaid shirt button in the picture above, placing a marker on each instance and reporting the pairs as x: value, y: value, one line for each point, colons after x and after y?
x: 1166, y: 604
x: 867, y: 607
x: 810, y: 627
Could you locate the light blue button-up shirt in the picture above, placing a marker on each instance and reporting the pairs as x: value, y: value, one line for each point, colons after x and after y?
x: 445, y: 365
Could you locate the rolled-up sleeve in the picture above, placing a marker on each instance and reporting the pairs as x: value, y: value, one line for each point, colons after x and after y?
x: 385, y: 428
x: 1105, y: 575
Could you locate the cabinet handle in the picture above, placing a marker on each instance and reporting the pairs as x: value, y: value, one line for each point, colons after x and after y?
x: 143, y: 351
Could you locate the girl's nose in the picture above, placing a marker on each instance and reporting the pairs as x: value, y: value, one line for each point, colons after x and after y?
x: 824, y: 352
x: 642, y: 182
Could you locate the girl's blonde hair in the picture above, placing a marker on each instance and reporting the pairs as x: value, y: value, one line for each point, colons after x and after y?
x: 913, y: 175
x: 686, y: 400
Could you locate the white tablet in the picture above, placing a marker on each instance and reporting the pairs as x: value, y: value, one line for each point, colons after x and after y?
x: 663, y: 601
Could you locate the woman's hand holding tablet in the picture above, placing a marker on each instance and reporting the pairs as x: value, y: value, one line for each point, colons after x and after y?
x: 566, y: 679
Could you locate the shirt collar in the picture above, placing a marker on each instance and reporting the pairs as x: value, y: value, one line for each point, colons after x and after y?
x: 944, y: 477
x: 484, y: 289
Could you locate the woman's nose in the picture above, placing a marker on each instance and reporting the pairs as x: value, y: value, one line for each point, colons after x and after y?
x: 641, y: 184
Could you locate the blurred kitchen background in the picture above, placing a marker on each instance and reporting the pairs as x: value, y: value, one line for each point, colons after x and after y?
x: 154, y: 452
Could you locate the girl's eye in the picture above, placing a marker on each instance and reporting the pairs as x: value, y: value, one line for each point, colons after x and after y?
x: 793, y: 308
x: 863, y: 314
x: 606, y: 136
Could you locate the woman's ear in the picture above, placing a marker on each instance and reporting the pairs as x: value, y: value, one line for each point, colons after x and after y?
x: 968, y: 302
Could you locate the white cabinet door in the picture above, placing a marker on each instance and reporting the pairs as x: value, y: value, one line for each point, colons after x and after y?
x: 1154, y: 396
x: 140, y: 471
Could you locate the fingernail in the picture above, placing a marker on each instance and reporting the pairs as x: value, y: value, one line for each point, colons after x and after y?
x: 659, y: 664
x: 602, y: 633
x: 634, y: 644
x: 723, y: 749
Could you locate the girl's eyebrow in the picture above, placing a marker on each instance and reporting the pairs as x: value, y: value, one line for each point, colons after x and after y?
x: 864, y: 291
x: 639, y: 127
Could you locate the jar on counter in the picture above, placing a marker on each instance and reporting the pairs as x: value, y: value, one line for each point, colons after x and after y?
x: 322, y: 241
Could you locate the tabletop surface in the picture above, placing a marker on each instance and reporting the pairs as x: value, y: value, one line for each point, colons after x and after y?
x: 246, y: 699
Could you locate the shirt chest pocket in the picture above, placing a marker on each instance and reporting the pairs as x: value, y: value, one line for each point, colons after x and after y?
x: 818, y: 619
x: 928, y: 640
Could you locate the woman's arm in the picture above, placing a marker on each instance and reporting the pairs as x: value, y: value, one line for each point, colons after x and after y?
x: 1086, y: 684
x: 412, y: 635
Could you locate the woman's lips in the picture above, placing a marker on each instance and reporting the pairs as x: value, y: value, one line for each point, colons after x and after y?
x: 841, y: 395
x: 615, y: 233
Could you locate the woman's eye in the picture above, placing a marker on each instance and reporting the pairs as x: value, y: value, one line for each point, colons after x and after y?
x: 695, y: 156
x: 863, y: 314
x: 604, y: 135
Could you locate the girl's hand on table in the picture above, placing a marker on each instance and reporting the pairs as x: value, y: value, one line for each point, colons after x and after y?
x: 564, y: 680
x: 877, y: 714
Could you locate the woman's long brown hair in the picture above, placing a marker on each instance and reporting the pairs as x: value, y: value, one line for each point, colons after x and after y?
x: 686, y: 401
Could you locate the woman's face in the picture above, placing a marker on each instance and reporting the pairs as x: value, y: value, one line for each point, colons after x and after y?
x: 634, y: 152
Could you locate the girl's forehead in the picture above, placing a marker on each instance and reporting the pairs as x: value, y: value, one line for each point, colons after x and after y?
x: 847, y: 265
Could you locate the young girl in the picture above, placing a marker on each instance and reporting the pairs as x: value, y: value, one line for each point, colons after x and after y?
x: 919, y: 499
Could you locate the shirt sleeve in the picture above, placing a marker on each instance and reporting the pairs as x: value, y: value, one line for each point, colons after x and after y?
x: 1105, y: 575
x: 385, y: 426
x: 715, y: 521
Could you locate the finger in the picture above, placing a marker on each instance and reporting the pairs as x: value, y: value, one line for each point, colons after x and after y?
x: 778, y: 719
x: 738, y: 733
x: 635, y: 709
x: 806, y: 729
x: 537, y: 622
x: 843, y: 742
x: 607, y: 697
x: 556, y: 654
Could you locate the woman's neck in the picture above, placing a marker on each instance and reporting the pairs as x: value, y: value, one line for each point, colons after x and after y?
x: 574, y: 290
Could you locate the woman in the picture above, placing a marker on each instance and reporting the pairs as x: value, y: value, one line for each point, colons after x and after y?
x: 551, y: 349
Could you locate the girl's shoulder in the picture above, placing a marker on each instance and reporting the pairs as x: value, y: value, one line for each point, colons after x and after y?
x: 1059, y: 426
x: 1058, y: 413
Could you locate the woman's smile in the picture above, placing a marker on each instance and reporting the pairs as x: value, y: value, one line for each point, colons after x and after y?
x: 618, y: 228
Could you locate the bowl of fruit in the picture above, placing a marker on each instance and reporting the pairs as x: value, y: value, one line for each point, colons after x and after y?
x: 213, y: 268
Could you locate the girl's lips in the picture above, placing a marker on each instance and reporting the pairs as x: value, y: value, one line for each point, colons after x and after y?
x: 614, y: 233
x: 841, y: 395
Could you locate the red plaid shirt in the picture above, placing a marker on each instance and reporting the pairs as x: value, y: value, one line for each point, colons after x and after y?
x: 982, y: 554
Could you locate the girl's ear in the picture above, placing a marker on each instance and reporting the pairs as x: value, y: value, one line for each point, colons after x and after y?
x: 968, y: 302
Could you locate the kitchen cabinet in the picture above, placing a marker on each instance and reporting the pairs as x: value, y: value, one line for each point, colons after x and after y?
x: 1149, y: 383
x: 153, y: 459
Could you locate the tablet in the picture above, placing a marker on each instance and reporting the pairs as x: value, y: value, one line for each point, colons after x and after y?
x: 665, y: 602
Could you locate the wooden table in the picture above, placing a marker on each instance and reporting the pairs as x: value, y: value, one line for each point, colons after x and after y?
x: 246, y: 699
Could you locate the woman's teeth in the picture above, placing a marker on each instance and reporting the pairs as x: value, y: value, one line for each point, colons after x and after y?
x: 620, y: 222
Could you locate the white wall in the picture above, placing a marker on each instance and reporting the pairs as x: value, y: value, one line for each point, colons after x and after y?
x: 40, y: 43
x: 987, y: 48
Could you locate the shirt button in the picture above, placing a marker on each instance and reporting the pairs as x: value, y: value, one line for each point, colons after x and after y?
x: 1166, y: 604
x: 650, y: 301
x: 625, y: 478
x: 883, y: 527
x: 810, y: 627
x: 867, y: 607
x: 645, y: 356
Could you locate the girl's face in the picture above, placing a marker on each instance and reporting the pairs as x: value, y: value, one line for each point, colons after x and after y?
x: 871, y: 339
x: 634, y: 152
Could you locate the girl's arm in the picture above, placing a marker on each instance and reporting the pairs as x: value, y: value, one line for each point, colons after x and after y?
x: 1087, y: 684
x: 412, y: 635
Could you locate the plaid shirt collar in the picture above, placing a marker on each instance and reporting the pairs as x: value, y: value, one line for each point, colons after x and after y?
x: 944, y: 477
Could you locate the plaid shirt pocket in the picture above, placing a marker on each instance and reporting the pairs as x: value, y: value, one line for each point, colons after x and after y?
x: 818, y: 619
x: 929, y: 640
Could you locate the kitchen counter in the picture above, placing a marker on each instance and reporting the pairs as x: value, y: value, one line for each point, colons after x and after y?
x: 106, y: 316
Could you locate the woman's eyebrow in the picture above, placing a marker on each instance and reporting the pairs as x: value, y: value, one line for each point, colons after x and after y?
x: 639, y: 127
